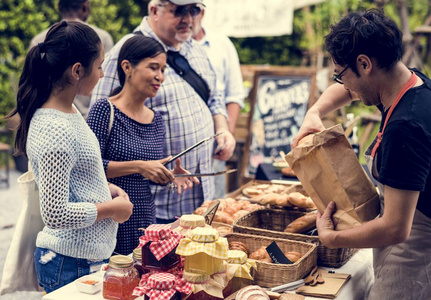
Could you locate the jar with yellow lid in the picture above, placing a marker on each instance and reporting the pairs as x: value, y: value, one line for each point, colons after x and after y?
x: 190, y: 222
x: 204, y: 287
x: 204, y: 251
x: 243, y: 269
x: 137, y: 262
x: 120, y: 279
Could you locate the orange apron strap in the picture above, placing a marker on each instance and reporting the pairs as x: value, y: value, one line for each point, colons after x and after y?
x: 408, y: 85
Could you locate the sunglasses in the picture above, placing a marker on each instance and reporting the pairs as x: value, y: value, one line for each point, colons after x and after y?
x: 182, y: 11
x: 337, y: 77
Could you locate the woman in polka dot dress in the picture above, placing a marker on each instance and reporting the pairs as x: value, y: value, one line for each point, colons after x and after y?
x: 133, y: 151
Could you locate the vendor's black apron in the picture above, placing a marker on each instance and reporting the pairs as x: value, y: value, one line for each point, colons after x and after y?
x: 401, y: 271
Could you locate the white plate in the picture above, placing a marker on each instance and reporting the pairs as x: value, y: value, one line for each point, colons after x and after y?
x: 89, y: 288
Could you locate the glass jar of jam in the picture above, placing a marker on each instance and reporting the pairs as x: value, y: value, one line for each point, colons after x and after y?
x: 137, y: 262
x: 159, y: 247
x: 120, y: 279
x: 204, y: 251
x: 204, y: 287
x: 244, y: 271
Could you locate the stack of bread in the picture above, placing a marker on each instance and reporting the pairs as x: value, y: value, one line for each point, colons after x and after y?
x: 229, y: 209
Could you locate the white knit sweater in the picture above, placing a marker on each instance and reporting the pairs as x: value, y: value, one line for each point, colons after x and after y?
x: 65, y: 157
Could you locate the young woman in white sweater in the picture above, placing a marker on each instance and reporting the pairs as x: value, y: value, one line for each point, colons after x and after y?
x: 80, y: 211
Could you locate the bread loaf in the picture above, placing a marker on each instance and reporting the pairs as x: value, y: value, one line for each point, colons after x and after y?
x: 302, y: 224
x: 283, y: 200
x: 252, y: 292
x: 223, y: 230
x: 301, y: 201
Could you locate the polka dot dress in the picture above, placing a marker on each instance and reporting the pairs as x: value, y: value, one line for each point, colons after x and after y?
x: 129, y: 140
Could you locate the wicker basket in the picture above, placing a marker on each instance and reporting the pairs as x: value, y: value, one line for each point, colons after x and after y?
x: 270, y: 275
x: 271, y: 223
x: 216, y: 225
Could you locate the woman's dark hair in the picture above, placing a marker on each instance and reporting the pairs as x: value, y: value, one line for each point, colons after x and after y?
x: 370, y: 33
x: 66, y: 43
x: 135, y: 50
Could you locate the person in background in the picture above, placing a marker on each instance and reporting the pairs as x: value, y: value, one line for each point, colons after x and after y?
x: 187, y: 116
x: 78, y: 10
x: 366, y: 48
x: 80, y: 211
x: 134, y: 147
x: 224, y: 59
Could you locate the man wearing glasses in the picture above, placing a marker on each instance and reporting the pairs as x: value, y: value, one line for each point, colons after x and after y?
x: 366, y: 49
x: 188, y: 118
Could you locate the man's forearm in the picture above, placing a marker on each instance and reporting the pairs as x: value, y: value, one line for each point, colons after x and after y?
x: 333, y: 98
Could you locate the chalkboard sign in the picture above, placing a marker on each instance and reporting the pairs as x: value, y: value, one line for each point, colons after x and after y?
x: 279, y: 102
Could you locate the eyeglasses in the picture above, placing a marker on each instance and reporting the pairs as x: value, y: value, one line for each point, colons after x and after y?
x: 337, y: 77
x: 182, y: 11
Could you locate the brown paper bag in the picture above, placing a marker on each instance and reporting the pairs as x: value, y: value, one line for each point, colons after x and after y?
x: 329, y: 289
x: 329, y: 171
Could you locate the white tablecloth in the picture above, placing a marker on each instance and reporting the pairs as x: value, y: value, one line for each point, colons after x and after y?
x: 360, y: 266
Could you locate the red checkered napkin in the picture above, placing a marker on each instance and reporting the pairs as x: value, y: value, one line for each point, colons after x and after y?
x: 162, y: 286
x: 162, y: 239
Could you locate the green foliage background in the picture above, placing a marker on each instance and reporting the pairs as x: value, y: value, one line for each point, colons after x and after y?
x: 20, y: 20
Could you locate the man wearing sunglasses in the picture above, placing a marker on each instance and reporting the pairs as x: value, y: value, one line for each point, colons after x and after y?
x: 225, y: 61
x: 366, y: 48
x: 188, y: 118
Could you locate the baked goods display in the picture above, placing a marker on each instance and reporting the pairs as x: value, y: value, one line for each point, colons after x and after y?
x: 302, y: 224
x: 229, y: 209
x: 280, y: 195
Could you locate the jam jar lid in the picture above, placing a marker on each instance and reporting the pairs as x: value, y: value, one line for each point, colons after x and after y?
x: 157, y: 232
x: 162, y: 281
x: 192, y: 221
x: 236, y: 257
x: 137, y: 253
x: 120, y: 261
x: 203, y: 240
x: 203, y: 235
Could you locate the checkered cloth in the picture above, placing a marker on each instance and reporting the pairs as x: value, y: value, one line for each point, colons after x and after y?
x: 162, y: 239
x: 161, y: 286
x: 203, y: 240
x: 238, y: 259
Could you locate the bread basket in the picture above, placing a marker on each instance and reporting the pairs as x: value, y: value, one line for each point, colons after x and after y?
x: 270, y: 274
x: 272, y: 222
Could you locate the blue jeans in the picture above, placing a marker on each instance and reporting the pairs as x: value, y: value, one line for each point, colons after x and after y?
x: 55, y: 270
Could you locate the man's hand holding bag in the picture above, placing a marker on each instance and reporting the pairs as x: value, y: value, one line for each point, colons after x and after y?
x: 329, y: 171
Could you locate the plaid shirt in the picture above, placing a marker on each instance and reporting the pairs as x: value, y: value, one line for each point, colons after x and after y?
x: 187, y: 118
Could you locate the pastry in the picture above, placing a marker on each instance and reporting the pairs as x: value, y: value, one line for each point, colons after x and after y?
x: 238, y: 246
x: 293, y: 256
x: 260, y: 254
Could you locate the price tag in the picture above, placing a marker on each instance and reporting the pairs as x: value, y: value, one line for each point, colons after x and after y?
x: 210, y: 212
x: 277, y: 255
